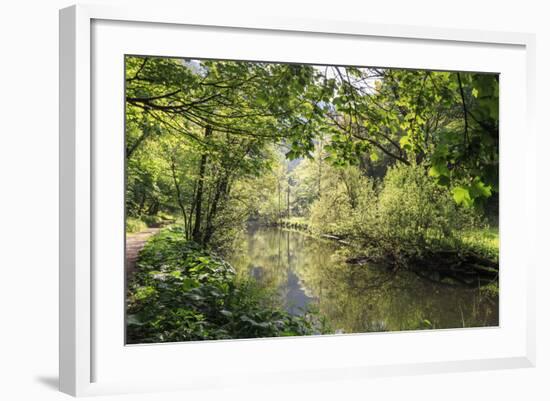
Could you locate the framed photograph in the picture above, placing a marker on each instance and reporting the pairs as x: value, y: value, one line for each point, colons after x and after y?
x: 278, y: 200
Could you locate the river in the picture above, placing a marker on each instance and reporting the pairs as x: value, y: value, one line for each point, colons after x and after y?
x: 309, y: 272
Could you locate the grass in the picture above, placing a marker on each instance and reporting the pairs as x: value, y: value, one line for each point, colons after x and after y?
x: 484, y: 241
x: 134, y: 225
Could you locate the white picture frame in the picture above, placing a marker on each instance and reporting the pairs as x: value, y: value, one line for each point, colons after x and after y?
x: 91, y: 359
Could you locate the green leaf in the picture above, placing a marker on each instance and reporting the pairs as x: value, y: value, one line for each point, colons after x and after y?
x: 462, y: 197
x: 479, y: 189
x: 438, y: 168
x: 189, y: 283
x: 134, y: 320
x: 195, y: 297
x: 226, y: 313
x: 405, y: 143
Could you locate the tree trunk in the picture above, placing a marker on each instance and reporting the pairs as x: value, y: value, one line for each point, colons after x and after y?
x: 180, y: 201
x: 279, y: 198
x: 200, y: 190
x: 221, y: 193
x: 320, y: 167
x: 288, y: 200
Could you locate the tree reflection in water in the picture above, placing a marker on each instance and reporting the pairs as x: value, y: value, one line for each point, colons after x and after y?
x: 306, y: 272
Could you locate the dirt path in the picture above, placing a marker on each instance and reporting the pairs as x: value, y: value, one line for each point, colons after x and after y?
x: 134, y: 243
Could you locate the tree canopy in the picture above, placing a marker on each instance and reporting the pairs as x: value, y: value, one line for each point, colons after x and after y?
x: 199, y: 131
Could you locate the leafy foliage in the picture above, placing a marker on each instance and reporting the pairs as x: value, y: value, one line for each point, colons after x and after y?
x: 396, y: 164
x: 406, y: 216
x: 416, y: 215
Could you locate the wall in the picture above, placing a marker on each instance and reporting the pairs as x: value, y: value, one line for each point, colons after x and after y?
x: 28, y: 199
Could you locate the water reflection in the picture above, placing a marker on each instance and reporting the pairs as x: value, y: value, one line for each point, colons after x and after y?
x: 307, y: 271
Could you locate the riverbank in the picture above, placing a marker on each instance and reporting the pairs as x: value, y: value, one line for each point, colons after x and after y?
x: 181, y: 292
x: 303, y: 226
x: 471, y: 260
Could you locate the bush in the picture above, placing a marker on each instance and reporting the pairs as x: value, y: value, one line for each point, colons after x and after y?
x: 416, y: 215
x: 406, y: 216
x: 347, y: 207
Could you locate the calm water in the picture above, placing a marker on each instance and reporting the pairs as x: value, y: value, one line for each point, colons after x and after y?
x: 310, y: 272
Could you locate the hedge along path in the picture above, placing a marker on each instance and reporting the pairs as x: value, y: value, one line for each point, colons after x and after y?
x: 134, y: 243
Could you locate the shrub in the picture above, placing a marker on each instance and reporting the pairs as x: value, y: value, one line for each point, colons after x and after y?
x: 415, y: 214
x: 405, y: 216
x: 347, y: 207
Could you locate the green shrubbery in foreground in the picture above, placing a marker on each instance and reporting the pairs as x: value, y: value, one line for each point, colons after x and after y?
x: 183, y: 293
